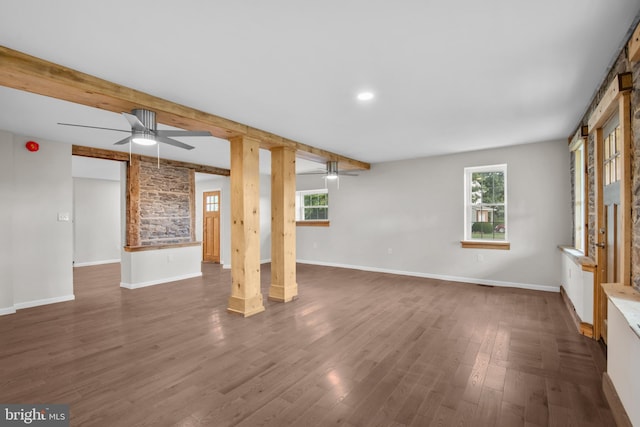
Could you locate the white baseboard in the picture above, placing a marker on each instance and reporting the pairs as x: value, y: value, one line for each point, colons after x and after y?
x: 158, y: 282
x: 262, y: 261
x: 7, y: 310
x: 546, y: 288
x: 36, y: 303
x: 88, y: 264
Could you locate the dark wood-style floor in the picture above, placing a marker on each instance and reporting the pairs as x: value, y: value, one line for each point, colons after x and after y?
x: 356, y: 349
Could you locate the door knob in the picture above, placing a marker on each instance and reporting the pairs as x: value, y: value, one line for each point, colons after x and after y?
x: 601, y: 245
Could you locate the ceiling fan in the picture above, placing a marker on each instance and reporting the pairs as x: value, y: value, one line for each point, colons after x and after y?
x: 331, y: 172
x: 144, y: 130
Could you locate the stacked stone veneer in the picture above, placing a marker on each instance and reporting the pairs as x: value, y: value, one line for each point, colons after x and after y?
x: 165, y: 204
x: 621, y: 65
x: 635, y: 174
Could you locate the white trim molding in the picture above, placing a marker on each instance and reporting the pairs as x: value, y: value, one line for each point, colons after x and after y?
x: 158, y: 282
x: 90, y: 263
x: 533, y: 287
x: 36, y: 303
x: 7, y: 310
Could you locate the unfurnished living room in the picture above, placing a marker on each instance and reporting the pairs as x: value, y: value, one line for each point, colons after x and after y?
x: 320, y: 213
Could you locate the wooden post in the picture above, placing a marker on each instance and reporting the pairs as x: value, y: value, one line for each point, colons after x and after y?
x: 283, y: 225
x: 245, y: 298
x: 626, y: 201
x: 133, y: 202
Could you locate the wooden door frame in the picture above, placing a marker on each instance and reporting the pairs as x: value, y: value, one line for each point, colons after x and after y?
x: 616, y: 100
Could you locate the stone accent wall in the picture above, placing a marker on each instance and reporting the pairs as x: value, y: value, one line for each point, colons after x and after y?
x: 591, y: 198
x: 635, y: 174
x: 165, y: 204
x: 621, y: 65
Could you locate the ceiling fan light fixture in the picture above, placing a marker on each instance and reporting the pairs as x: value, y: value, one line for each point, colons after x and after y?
x: 143, y: 138
x: 332, y: 170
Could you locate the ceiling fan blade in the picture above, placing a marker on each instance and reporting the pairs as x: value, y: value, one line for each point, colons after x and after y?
x: 173, y: 142
x: 93, y: 127
x: 347, y: 174
x: 123, y: 141
x: 135, y: 122
x: 183, y: 133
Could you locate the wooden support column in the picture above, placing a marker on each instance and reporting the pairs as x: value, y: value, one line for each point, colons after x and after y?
x: 245, y: 298
x: 284, y: 287
x: 133, y: 202
x: 626, y: 201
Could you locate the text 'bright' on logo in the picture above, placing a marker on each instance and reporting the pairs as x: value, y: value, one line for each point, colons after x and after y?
x: 37, y: 415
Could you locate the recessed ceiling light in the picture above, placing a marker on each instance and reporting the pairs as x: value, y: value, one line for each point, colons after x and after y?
x: 365, y: 96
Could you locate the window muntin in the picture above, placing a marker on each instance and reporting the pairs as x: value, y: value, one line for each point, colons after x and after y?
x: 612, y: 166
x: 486, y: 203
x: 212, y: 203
x: 312, y: 205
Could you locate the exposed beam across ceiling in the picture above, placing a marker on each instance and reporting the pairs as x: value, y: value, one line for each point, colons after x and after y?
x: 99, y: 153
x: 25, y: 72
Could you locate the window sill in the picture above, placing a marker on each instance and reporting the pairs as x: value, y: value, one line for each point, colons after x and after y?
x: 157, y: 247
x: 586, y: 263
x: 312, y: 223
x: 480, y: 244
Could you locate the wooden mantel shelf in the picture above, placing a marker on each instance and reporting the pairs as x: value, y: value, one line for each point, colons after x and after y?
x: 157, y: 247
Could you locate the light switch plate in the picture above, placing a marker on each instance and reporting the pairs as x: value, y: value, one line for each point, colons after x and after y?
x: 63, y: 216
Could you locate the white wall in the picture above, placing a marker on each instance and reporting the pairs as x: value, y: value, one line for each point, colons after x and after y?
x: 407, y: 217
x: 96, y: 221
x: 39, y: 248
x: 578, y: 285
x: 153, y: 267
x: 623, y: 354
x: 265, y: 218
x: 6, y: 201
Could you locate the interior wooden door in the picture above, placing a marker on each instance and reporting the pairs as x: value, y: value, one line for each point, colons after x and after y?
x: 610, y: 232
x: 211, y: 227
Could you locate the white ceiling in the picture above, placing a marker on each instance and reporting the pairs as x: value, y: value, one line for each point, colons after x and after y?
x: 448, y: 76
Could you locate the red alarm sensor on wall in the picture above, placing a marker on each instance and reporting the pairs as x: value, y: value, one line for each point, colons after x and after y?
x: 32, y: 146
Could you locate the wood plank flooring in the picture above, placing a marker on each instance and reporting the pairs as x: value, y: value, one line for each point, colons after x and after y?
x: 356, y: 349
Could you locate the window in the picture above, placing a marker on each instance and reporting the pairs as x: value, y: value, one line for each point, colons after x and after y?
x: 612, y: 147
x: 312, y: 205
x: 212, y: 203
x: 486, y: 203
x: 578, y: 151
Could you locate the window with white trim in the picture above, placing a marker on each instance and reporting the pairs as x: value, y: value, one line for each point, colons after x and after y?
x: 485, y: 216
x: 578, y: 195
x: 312, y: 205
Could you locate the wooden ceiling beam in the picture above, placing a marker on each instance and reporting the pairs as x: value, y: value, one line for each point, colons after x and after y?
x: 121, y: 156
x: 28, y: 73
